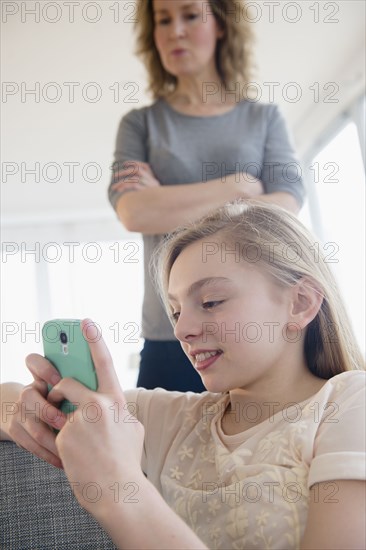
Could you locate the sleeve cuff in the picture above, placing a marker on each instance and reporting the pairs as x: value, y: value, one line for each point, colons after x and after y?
x: 333, y: 466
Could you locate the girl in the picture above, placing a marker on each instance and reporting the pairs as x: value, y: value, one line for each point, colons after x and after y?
x: 273, y: 454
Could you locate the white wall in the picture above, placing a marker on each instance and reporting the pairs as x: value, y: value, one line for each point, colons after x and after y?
x: 324, y: 44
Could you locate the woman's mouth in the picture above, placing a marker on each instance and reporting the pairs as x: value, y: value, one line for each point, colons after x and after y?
x: 178, y: 52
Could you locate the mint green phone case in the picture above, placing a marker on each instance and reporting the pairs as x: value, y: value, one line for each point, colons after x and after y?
x: 66, y: 348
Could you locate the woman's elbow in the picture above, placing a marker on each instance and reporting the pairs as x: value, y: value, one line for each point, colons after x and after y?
x: 126, y: 215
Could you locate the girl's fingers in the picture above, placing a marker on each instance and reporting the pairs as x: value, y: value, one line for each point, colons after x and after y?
x: 40, y: 386
x: 72, y: 390
x: 31, y: 425
x: 107, y: 378
x: 108, y: 382
x: 36, y: 409
x: 42, y: 369
x: 45, y: 448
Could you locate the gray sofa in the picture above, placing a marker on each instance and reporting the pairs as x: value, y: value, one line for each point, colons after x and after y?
x: 38, y: 510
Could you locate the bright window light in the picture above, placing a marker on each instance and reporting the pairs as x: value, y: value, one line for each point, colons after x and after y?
x: 339, y: 177
x: 99, y: 280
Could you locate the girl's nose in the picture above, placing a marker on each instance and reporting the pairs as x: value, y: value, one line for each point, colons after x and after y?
x: 187, y: 328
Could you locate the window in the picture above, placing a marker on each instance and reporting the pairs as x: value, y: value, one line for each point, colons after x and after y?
x: 101, y: 280
x: 338, y: 177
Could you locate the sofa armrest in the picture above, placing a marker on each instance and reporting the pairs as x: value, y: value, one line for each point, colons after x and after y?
x: 38, y: 509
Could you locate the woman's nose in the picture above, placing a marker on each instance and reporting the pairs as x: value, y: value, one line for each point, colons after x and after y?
x: 177, y: 28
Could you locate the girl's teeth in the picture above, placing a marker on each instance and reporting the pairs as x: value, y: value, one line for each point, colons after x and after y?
x: 206, y: 355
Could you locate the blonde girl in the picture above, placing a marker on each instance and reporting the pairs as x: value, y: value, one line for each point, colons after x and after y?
x: 273, y: 454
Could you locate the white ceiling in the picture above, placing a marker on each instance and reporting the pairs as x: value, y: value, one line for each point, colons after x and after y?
x: 323, y: 54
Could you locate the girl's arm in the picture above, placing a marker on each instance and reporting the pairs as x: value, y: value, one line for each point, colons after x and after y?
x: 102, y: 460
x: 27, y: 418
x: 147, y: 522
x: 337, y: 516
x: 9, y: 393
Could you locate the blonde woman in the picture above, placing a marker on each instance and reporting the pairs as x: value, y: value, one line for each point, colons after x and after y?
x: 273, y: 454
x: 200, y: 144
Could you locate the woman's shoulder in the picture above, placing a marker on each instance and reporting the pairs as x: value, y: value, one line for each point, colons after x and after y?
x: 259, y: 110
x: 257, y: 106
x: 141, y: 117
x: 137, y: 114
x: 135, y: 121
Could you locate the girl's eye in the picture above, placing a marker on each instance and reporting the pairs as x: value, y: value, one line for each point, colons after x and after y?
x: 191, y: 16
x: 206, y: 305
x: 212, y: 304
x: 175, y: 316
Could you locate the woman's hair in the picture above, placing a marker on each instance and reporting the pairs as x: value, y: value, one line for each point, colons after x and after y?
x: 275, y: 239
x: 233, y: 52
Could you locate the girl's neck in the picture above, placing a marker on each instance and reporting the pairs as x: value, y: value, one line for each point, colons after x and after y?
x: 248, y: 407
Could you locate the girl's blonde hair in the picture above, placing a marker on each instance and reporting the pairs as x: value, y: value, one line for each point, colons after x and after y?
x: 233, y: 52
x: 275, y: 239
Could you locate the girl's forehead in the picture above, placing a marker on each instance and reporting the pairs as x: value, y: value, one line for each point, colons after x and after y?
x: 216, y: 249
x: 207, y: 258
x: 203, y: 251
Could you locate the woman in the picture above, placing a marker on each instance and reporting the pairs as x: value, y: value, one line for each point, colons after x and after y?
x: 198, y: 132
x: 273, y: 454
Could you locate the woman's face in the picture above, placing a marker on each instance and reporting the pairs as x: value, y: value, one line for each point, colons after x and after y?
x: 185, y: 35
x: 229, y: 315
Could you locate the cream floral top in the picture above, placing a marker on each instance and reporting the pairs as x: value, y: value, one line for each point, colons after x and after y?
x: 251, y: 490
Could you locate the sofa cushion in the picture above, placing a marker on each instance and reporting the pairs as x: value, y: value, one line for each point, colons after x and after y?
x: 38, y: 509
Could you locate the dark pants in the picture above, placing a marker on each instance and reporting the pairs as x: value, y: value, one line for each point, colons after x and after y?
x: 165, y: 365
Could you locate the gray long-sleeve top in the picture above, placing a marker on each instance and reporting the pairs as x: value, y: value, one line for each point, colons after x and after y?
x: 181, y: 148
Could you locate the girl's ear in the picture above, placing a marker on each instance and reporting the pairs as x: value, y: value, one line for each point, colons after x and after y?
x: 307, y: 298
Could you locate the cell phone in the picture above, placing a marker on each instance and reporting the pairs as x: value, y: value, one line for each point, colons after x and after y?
x: 67, y: 349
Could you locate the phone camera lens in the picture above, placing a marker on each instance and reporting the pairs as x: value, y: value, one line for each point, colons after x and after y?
x: 63, y: 337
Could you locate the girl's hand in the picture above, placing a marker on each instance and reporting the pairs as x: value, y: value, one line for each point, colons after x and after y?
x: 100, y: 443
x: 33, y: 417
x: 136, y: 175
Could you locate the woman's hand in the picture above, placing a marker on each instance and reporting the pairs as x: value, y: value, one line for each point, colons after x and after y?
x: 136, y: 175
x: 250, y: 186
x: 100, y: 443
x: 32, y: 417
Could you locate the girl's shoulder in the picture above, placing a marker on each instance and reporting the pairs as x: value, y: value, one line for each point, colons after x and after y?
x: 346, y: 382
x: 341, y: 393
x: 160, y: 402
